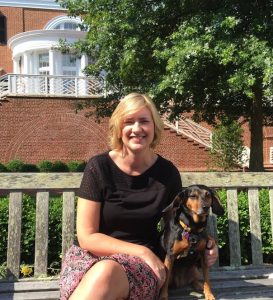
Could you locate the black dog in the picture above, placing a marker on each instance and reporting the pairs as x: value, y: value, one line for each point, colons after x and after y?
x: 184, y: 238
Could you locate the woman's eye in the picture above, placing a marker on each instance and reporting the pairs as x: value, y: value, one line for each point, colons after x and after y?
x: 128, y: 122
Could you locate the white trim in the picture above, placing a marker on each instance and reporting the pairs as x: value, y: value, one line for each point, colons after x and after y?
x: 41, y: 39
x: 44, y: 4
x: 61, y: 19
x: 271, y: 155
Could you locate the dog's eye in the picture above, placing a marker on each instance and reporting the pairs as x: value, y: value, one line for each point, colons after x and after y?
x: 192, y: 196
x: 207, y: 195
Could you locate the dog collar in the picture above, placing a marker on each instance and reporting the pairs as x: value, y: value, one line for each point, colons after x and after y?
x: 184, y: 226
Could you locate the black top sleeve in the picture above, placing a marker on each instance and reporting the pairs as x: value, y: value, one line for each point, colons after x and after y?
x: 90, y: 187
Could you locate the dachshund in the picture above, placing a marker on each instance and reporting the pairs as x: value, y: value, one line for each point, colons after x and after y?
x: 184, y: 238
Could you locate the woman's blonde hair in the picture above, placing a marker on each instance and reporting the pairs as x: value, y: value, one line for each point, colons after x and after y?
x: 129, y: 105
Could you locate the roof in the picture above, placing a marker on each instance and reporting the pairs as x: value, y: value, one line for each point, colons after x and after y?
x: 44, y: 4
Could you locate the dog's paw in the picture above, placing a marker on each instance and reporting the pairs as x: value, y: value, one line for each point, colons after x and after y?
x: 209, y: 297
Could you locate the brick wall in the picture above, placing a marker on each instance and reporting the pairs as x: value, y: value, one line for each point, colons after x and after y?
x: 186, y: 154
x: 37, y: 129
x: 21, y: 20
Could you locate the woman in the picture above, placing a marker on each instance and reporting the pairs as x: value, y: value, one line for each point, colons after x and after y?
x: 121, y: 197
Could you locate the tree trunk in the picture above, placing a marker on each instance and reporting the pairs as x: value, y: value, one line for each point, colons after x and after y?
x: 256, y: 162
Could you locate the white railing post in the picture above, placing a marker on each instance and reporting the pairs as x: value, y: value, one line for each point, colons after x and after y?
x: 47, y: 86
x: 9, y: 83
x: 76, y: 87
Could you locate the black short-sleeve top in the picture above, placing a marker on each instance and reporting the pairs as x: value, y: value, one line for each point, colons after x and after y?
x: 131, y: 205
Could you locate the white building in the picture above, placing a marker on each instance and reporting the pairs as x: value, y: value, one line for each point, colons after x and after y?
x: 39, y: 67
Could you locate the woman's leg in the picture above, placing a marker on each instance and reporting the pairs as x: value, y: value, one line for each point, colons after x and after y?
x: 106, y: 280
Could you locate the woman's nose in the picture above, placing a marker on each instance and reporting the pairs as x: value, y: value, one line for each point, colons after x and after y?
x: 136, y: 127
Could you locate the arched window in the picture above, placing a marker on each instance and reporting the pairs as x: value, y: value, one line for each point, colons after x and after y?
x: 3, y: 29
x: 64, y: 23
x: 67, y: 26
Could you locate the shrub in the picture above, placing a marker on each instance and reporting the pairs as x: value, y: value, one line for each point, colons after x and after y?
x: 30, y: 168
x: 266, y: 227
x: 3, y: 168
x: 222, y: 230
x: 4, y: 215
x: 76, y: 166
x: 59, y: 166
x: 28, y: 229
x: 55, y: 232
x: 15, y: 165
x: 45, y: 166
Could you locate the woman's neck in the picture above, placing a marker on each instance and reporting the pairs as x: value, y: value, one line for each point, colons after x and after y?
x: 133, y: 163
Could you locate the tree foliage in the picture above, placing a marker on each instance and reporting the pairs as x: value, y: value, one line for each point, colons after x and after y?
x: 211, y: 57
x: 227, y: 150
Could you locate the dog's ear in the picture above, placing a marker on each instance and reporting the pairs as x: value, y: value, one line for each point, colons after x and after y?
x: 216, y: 206
x: 175, y: 203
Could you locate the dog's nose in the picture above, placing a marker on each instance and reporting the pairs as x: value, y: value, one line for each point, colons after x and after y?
x: 205, y: 208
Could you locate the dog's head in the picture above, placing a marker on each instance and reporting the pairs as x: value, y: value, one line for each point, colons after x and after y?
x: 195, y: 200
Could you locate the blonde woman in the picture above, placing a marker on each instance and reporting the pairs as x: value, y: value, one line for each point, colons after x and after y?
x: 121, y: 196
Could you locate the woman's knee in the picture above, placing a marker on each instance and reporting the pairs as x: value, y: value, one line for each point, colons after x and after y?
x: 105, y: 280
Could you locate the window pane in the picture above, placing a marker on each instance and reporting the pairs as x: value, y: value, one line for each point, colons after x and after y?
x: 43, y: 60
x: 3, y: 36
x: 70, y: 26
x: 69, y: 60
x: 69, y: 73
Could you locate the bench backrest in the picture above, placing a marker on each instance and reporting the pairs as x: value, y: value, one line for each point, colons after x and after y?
x: 42, y: 184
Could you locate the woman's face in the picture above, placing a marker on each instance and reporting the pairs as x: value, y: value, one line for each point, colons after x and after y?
x: 137, y: 131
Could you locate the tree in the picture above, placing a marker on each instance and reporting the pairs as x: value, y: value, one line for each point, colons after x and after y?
x: 227, y: 152
x: 211, y: 57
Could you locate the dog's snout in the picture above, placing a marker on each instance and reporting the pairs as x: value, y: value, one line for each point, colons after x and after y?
x: 205, y: 208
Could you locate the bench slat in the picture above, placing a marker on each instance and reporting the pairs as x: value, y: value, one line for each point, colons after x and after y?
x: 255, y: 226
x: 41, y: 234
x: 68, y: 222
x: 233, y: 227
x: 14, y: 234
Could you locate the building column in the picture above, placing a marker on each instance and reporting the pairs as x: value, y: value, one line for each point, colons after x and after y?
x: 52, y: 54
x: 52, y: 60
x: 83, y: 82
x: 84, y: 63
x: 26, y: 63
x: 24, y: 83
x: 16, y: 67
x: 58, y: 63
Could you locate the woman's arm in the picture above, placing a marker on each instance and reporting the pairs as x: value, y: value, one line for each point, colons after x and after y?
x: 89, y: 237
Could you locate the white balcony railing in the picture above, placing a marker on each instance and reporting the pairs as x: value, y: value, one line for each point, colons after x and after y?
x: 48, y: 86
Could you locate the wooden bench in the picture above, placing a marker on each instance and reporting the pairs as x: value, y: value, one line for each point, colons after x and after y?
x: 229, y: 282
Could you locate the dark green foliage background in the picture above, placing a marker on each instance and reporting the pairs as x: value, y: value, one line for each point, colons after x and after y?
x: 17, y: 165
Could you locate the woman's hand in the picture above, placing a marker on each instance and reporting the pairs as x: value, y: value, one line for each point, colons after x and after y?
x: 155, y: 264
x: 211, y: 253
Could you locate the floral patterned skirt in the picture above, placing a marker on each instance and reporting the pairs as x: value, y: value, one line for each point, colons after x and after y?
x: 143, y: 283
